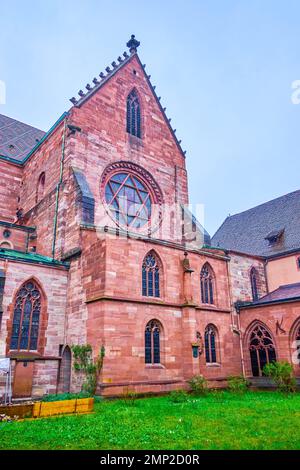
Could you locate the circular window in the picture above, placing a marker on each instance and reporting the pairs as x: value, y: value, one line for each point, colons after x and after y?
x: 128, y: 199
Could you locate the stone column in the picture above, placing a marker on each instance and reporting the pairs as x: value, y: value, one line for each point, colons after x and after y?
x: 189, y: 323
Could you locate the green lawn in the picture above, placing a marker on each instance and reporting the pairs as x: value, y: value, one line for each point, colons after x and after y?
x: 256, y: 420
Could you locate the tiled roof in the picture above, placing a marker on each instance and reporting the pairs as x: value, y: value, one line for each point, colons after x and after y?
x: 246, y: 232
x: 288, y: 291
x: 17, y: 138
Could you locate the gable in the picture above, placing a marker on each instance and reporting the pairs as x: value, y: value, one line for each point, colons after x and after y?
x: 115, y: 72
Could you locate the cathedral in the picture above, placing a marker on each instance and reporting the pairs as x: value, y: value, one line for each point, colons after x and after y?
x: 98, y: 246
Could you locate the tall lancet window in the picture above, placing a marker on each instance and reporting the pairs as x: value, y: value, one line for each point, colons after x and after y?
x: 254, y: 284
x: 26, y: 318
x: 133, y: 114
x: 210, y: 344
x: 151, y: 275
x: 207, y: 284
x: 152, y: 342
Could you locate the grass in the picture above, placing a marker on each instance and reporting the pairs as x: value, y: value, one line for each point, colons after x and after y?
x: 221, y: 420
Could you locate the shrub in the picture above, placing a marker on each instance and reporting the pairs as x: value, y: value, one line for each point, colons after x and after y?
x: 198, y: 385
x: 178, y: 396
x: 237, y: 384
x: 282, y: 374
x: 91, y: 367
x: 66, y: 396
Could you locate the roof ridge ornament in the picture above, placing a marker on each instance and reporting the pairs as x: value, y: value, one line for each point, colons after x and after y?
x: 133, y: 44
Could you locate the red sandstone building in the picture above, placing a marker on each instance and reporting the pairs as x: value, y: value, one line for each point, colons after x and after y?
x: 97, y: 246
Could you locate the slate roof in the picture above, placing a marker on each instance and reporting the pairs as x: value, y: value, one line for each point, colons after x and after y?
x: 288, y: 291
x: 17, y: 138
x: 246, y: 232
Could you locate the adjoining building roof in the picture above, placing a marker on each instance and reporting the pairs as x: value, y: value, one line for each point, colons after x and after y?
x: 288, y: 291
x: 283, y: 294
x: 17, y: 138
x: 249, y: 232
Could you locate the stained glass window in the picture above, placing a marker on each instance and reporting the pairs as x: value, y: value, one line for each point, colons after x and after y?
x: 262, y: 350
x: 133, y: 124
x: 210, y: 344
x: 128, y: 199
x: 27, y: 310
x: 207, y: 284
x: 150, y: 276
x: 254, y: 282
x: 152, y: 342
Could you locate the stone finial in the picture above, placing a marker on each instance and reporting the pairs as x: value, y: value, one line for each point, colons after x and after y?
x: 133, y: 44
x: 80, y: 93
x: 95, y: 81
x: 73, y: 100
x: 101, y: 75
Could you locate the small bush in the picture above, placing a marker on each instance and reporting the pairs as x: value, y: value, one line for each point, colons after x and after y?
x: 283, y: 375
x: 65, y: 396
x: 178, y: 396
x: 198, y: 385
x: 237, y: 384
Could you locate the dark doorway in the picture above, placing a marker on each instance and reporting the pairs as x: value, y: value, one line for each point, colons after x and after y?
x: 64, y: 381
x: 262, y: 350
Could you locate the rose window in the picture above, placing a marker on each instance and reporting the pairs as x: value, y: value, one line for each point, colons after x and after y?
x: 128, y: 199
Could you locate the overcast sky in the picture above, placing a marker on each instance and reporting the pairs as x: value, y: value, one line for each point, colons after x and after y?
x: 224, y: 70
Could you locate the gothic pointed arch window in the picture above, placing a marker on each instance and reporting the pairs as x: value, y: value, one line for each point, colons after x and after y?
x: 26, y: 318
x: 207, y: 284
x: 133, y: 119
x: 262, y: 349
x: 151, y: 274
x: 40, y: 187
x: 153, y: 332
x: 210, y: 341
x: 254, y: 279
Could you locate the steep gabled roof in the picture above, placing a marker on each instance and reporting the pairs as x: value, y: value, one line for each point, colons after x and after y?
x: 16, y: 138
x: 249, y: 232
x: 110, y: 71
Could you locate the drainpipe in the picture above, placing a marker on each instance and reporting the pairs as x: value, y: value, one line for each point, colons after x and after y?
x: 241, y: 345
x: 58, y: 188
x: 235, y: 328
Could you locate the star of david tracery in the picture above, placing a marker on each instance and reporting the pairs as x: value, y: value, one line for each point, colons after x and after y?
x: 129, y: 199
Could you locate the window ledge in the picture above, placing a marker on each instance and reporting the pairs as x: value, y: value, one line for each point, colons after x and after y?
x: 154, y: 366
x: 213, y: 364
